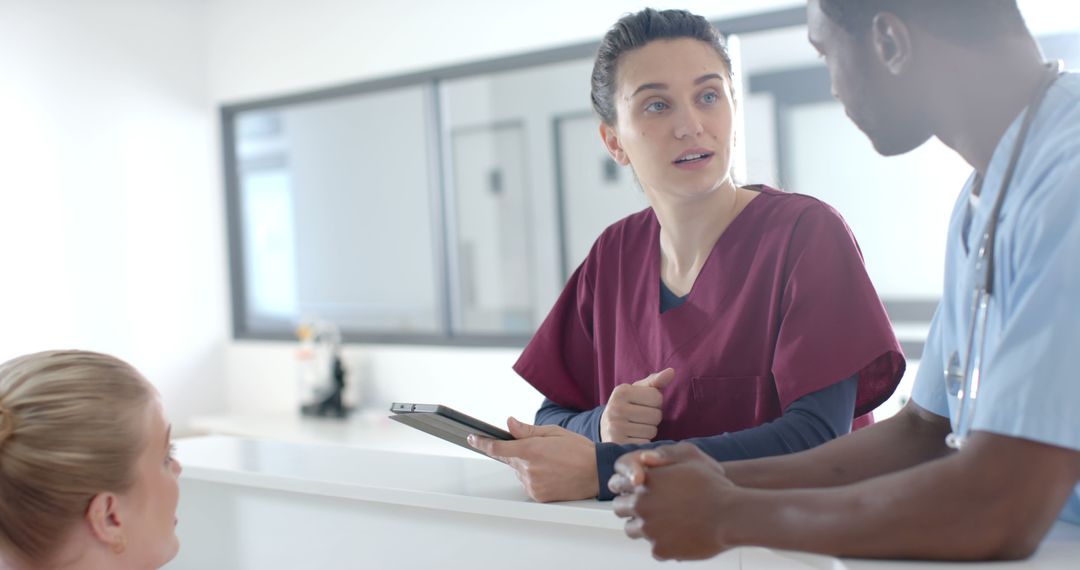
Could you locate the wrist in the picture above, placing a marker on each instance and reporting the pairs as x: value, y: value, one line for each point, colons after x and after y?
x: 784, y: 519
x: 756, y: 516
x: 740, y: 508
x: 592, y: 488
x: 588, y: 478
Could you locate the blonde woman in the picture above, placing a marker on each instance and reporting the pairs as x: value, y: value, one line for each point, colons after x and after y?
x: 87, y: 477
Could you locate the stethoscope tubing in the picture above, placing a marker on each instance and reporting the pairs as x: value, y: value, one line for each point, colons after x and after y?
x: 980, y: 302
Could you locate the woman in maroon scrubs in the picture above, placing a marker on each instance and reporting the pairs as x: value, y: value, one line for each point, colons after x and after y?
x: 741, y: 318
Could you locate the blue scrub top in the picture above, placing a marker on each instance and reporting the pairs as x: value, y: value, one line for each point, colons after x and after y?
x: 1030, y: 385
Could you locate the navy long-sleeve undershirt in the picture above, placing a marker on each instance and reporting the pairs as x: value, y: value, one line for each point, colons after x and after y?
x: 808, y: 422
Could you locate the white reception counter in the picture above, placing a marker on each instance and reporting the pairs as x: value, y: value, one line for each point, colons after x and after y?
x: 264, y: 504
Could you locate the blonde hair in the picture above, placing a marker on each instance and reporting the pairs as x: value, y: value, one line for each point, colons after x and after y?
x: 69, y: 429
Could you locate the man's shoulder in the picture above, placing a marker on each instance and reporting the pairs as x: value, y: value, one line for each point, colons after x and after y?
x: 1070, y: 83
x: 1051, y: 158
x: 1061, y: 135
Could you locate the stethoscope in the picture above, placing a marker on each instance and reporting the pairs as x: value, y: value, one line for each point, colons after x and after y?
x: 964, y: 383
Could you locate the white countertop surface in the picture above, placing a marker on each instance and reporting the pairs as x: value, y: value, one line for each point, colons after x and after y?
x: 473, y: 484
x: 461, y: 481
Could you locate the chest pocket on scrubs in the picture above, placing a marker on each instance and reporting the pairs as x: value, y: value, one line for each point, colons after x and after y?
x: 731, y: 403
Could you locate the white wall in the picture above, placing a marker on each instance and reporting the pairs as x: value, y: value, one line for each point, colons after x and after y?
x: 265, y: 47
x: 111, y: 233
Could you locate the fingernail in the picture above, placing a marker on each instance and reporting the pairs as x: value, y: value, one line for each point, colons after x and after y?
x: 650, y: 455
x: 471, y: 439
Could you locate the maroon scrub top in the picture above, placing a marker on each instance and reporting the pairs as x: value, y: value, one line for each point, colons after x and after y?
x: 782, y: 308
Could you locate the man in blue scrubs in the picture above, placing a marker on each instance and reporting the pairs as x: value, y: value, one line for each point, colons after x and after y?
x: 965, y: 71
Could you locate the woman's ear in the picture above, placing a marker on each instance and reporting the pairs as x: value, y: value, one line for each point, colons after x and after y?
x: 611, y: 142
x: 103, y: 517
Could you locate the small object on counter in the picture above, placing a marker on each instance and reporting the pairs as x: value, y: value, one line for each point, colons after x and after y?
x: 322, y: 373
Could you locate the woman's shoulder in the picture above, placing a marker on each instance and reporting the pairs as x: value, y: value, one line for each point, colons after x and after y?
x: 642, y: 219
x: 637, y: 226
x: 783, y: 206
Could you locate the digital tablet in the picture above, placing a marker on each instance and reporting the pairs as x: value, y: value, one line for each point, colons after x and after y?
x: 446, y: 423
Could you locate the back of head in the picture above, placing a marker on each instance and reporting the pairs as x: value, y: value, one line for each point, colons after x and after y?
x: 635, y: 30
x: 972, y: 23
x: 69, y: 429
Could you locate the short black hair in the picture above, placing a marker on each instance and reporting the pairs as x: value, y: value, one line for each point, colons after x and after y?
x: 964, y: 22
x: 635, y: 30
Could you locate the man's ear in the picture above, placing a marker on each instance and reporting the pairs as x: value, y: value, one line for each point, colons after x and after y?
x: 106, y: 524
x: 892, y: 42
x: 611, y: 142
